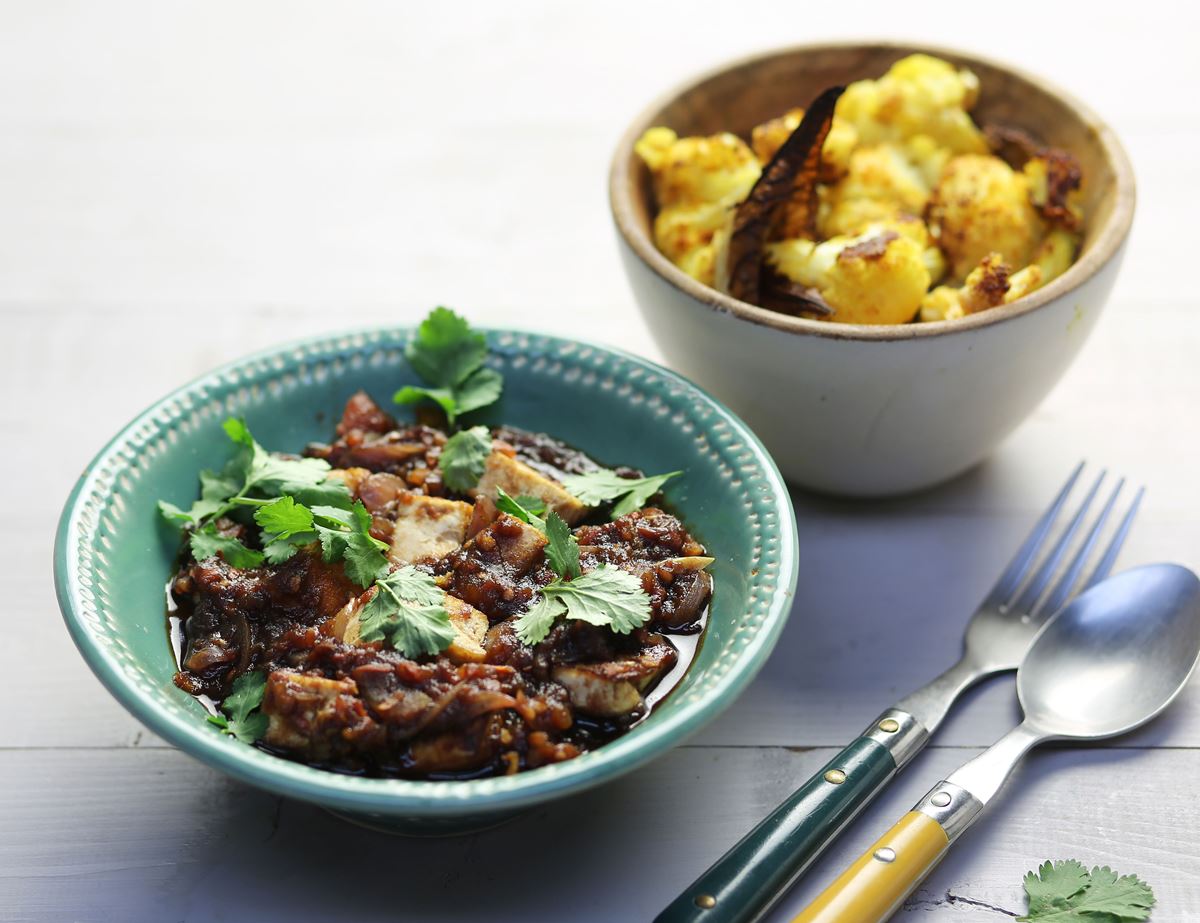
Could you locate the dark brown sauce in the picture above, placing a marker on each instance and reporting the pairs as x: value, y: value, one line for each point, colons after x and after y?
x: 552, y: 457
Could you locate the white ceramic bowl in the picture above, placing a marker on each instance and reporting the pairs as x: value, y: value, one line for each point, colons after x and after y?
x: 873, y: 410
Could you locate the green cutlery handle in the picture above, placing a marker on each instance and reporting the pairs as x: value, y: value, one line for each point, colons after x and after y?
x: 747, y: 880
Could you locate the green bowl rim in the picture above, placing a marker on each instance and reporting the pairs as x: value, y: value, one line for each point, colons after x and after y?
x: 414, y: 798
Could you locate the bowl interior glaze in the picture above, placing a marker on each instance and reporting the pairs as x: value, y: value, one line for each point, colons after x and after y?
x: 114, y: 555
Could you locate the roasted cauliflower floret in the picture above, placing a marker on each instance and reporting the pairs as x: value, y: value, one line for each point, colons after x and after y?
x: 880, y: 183
x: 696, y: 183
x: 982, y: 205
x: 877, y: 277
x: 919, y: 95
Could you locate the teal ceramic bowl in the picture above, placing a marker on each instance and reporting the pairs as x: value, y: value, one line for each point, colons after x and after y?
x: 113, y: 555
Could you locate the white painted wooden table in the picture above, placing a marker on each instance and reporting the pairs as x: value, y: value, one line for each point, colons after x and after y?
x: 181, y: 183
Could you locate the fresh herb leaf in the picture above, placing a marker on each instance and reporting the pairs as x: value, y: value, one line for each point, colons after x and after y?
x: 605, y: 596
x: 446, y: 350
x: 521, y: 508
x: 207, y: 542
x: 535, y: 505
x: 534, y: 624
x: 284, y: 518
x: 245, y: 697
x: 408, y: 610
x: 349, y: 540
x: 464, y: 458
x: 449, y: 356
x: 631, y: 494
x: 481, y: 388
x: 1065, y: 891
x: 254, y: 477
x: 562, y: 551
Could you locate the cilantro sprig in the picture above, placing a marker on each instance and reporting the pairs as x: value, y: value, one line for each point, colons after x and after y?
x: 630, y: 494
x: 449, y: 356
x: 1064, y: 891
x: 408, y: 610
x: 606, y: 596
x: 464, y: 458
x: 241, y: 718
x: 294, y: 501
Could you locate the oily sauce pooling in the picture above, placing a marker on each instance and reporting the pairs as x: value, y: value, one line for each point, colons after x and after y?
x: 487, y: 704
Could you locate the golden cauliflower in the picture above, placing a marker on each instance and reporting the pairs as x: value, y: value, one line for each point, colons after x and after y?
x: 907, y: 196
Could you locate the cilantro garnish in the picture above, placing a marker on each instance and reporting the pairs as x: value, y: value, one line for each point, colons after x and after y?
x: 631, y: 494
x: 254, y: 476
x: 526, y: 509
x: 464, y: 457
x: 1063, y: 891
x: 408, y: 609
x: 449, y: 356
x: 295, y: 503
x: 244, y: 697
x: 206, y: 542
x: 562, y: 551
x: 605, y: 596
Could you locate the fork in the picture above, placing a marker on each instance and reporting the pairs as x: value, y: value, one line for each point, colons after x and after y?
x: 747, y: 881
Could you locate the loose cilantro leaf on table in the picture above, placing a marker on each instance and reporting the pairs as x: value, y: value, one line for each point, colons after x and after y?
x: 408, y: 610
x: 449, y: 356
x: 631, y: 494
x: 464, y: 457
x: 241, y: 720
x: 1065, y: 891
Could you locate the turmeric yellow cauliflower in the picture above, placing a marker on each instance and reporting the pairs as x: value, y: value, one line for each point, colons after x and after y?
x: 697, y: 181
x: 915, y: 219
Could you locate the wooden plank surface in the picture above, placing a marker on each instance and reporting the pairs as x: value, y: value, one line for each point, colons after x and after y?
x: 182, y: 183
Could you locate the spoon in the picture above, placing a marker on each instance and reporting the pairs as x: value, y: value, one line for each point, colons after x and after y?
x: 1107, y: 663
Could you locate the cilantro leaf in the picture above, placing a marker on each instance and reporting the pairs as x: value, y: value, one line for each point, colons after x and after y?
x: 446, y: 350
x: 350, y: 541
x: 631, y: 494
x: 535, y: 622
x: 245, y: 697
x: 284, y: 518
x: 449, y: 356
x: 464, y: 458
x: 562, y: 551
x: 408, y: 610
x: 1066, y: 891
x: 443, y: 397
x: 522, y: 507
x: 207, y: 542
x: 481, y: 388
x: 535, y: 505
x: 605, y: 596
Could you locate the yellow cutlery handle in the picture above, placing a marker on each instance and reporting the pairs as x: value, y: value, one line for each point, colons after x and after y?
x: 873, y: 888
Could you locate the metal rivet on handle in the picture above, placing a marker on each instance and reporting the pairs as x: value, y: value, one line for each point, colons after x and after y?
x: 885, y: 854
x: 889, y: 725
x: 705, y: 901
x: 940, y: 800
x: 835, y: 776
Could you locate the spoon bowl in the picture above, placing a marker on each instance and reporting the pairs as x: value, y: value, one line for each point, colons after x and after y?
x: 1115, y: 657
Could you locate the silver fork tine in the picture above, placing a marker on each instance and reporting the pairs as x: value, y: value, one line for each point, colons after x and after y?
x: 1114, y: 547
x: 1062, y: 590
x: 1011, y: 579
x: 1040, y: 580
